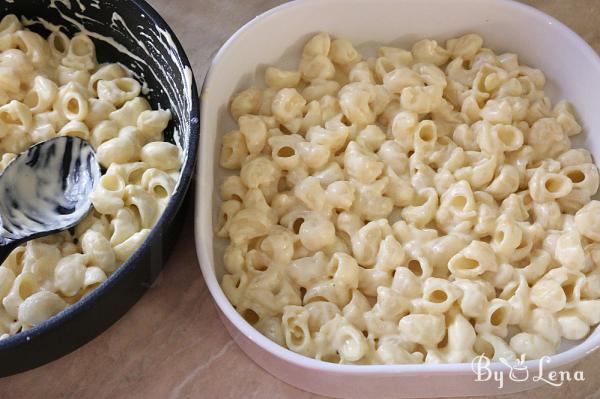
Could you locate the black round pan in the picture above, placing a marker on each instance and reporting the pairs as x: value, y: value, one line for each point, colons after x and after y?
x: 145, y: 44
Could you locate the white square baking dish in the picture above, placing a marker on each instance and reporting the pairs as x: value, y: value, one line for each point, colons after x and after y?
x: 572, y: 69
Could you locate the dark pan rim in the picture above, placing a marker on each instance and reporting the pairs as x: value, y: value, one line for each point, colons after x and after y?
x: 166, y: 218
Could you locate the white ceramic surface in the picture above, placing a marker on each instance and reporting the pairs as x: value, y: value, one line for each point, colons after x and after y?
x: 573, y: 72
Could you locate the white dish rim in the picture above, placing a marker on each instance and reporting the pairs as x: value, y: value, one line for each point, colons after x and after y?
x: 563, y: 358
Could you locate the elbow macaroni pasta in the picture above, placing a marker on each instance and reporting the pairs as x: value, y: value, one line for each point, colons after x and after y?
x: 52, y: 87
x: 417, y: 206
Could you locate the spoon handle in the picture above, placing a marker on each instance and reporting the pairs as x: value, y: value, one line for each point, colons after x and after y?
x: 6, y: 247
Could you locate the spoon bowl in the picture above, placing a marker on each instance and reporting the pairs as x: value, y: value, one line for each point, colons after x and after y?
x: 46, y: 189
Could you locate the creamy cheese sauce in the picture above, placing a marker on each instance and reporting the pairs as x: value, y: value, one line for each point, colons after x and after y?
x: 154, y: 44
x: 159, y: 45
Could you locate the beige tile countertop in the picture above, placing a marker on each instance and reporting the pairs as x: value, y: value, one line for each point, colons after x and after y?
x: 171, y: 344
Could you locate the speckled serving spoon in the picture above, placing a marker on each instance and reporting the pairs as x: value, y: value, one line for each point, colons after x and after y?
x: 46, y: 189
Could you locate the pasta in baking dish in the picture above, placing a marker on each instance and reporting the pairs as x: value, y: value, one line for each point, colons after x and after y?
x: 55, y: 86
x: 422, y: 205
